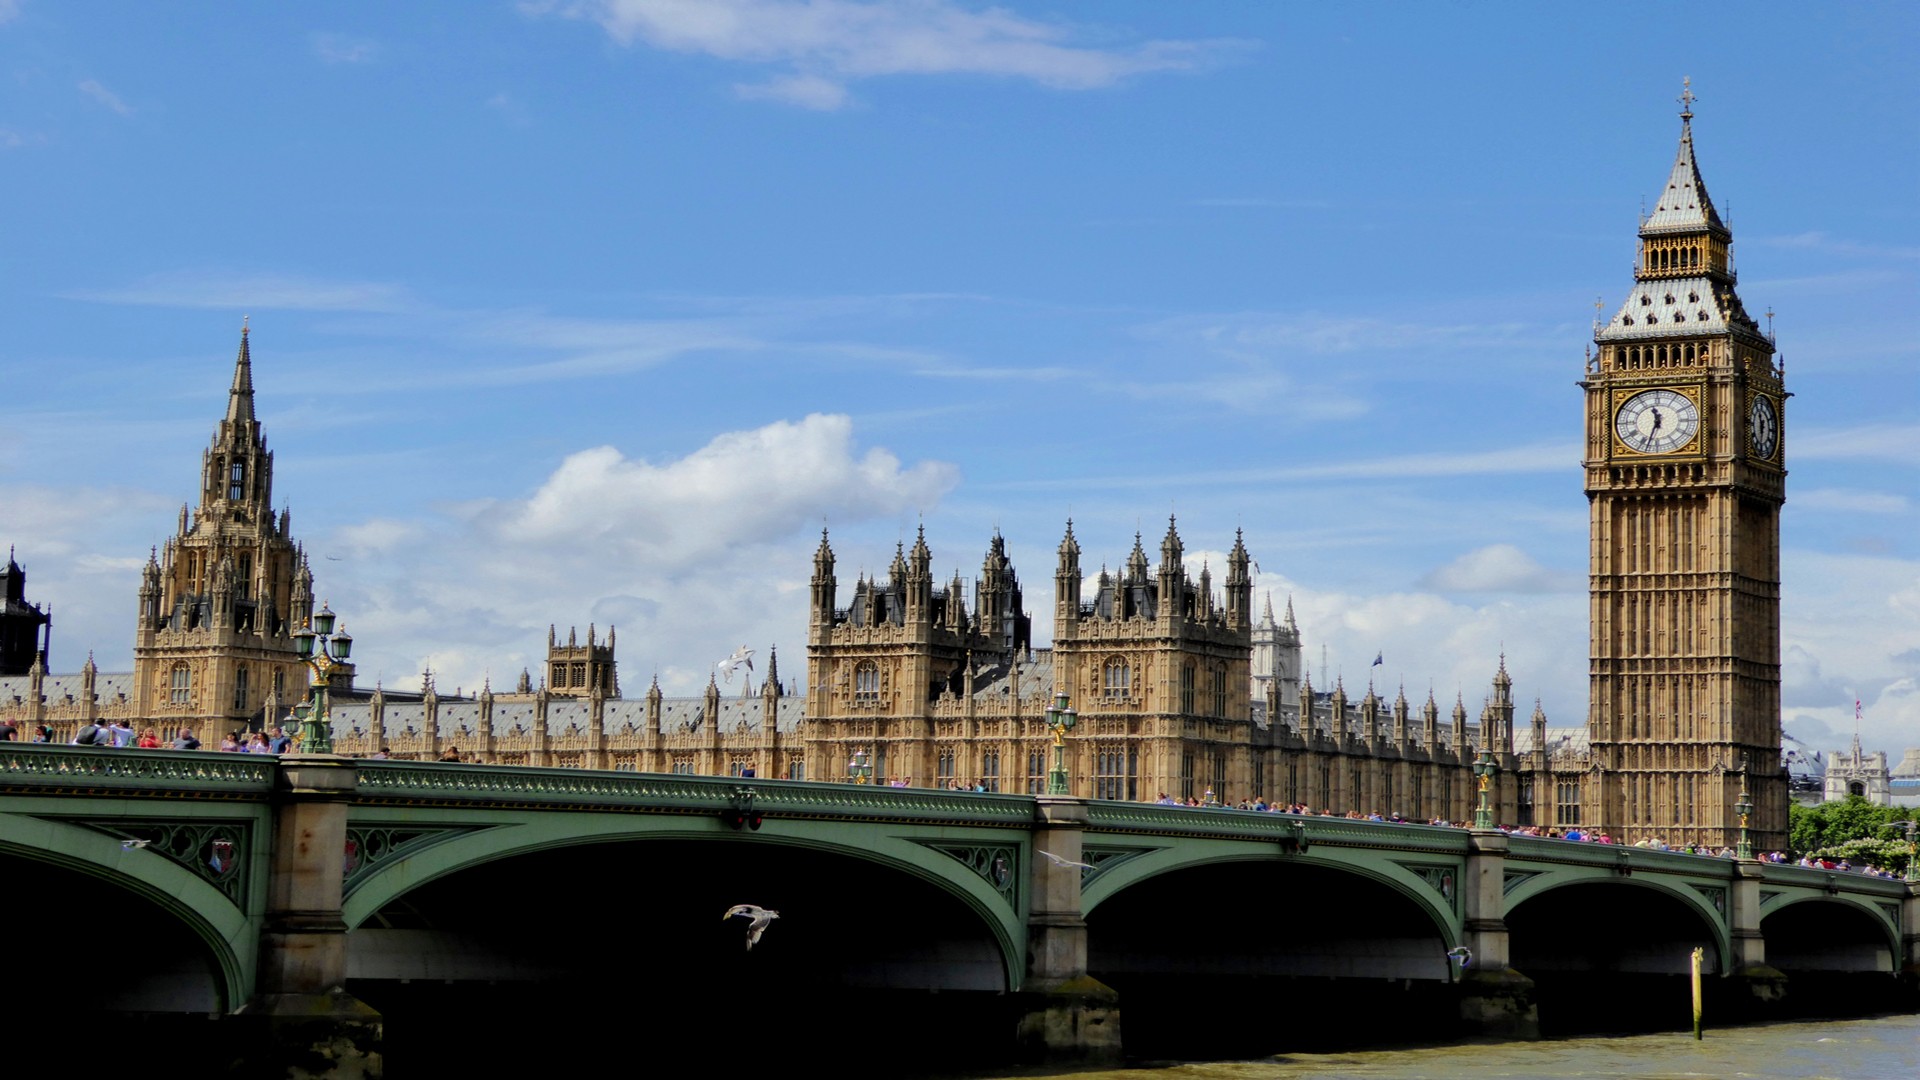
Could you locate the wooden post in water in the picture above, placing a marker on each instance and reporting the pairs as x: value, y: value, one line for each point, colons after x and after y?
x: 1698, y: 955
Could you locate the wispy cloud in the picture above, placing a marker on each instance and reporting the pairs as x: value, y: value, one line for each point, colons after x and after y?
x: 826, y: 44
x: 1898, y: 443
x: 1264, y: 203
x: 14, y: 140
x: 1848, y: 500
x: 106, y: 97
x: 255, y: 292
x: 1258, y: 332
x: 806, y: 91
x: 1552, y: 457
x: 9, y: 9
x: 341, y: 49
x: 510, y: 109
x: 1818, y: 240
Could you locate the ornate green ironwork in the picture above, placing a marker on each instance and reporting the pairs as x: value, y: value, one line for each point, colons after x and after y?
x: 1101, y: 858
x: 216, y: 851
x: 1715, y: 894
x: 997, y: 864
x: 46, y: 769
x: 371, y: 846
x: 1516, y: 878
x: 1443, y: 878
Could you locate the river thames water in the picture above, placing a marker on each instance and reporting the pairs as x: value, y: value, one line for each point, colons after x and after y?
x: 1881, y: 1048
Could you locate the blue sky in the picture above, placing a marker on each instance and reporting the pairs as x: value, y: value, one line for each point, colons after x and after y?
x: 594, y: 312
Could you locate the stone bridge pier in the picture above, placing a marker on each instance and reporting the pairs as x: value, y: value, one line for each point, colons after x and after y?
x: 1494, y: 999
x: 302, y: 1016
x: 1064, y: 1012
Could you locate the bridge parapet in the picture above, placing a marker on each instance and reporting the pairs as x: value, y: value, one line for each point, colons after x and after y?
x: 1287, y: 829
x: 534, y: 788
x: 49, y: 769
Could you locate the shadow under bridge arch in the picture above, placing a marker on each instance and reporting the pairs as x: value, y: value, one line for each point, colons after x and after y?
x: 556, y: 932
x: 1264, y: 955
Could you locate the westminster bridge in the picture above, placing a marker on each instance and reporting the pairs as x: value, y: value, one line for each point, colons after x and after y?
x: 228, y: 885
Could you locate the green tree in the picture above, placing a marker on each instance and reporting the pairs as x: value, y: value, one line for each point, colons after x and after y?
x: 1852, y: 829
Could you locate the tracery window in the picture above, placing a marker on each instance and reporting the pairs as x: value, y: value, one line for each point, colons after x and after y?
x: 1036, y: 772
x: 182, y: 684
x: 1220, y: 692
x: 1566, y: 809
x: 866, y: 682
x: 1117, y: 680
x: 797, y: 769
x: 240, y: 689
x: 943, y: 766
x: 1113, y: 772
x: 990, y: 770
x: 1188, y: 672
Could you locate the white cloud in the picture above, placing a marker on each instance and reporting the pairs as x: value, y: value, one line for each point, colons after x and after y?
x: 827, y: 43
x: 14, y: 140
x: 510, y: 109
x: 1501, y: 568
x: 9, y: 9
x: 689, y: 556
x: 341, y: 49
x: 106, y: 97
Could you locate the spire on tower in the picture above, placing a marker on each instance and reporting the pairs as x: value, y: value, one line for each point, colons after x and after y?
x: 240, y: 397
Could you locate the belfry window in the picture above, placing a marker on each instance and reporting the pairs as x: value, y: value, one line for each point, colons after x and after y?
x: 236, y: 481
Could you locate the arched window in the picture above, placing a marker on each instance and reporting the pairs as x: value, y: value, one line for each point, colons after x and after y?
x: 1118, y: 678
x: 240, y: 688
x: 990, y: 770
x: 1188, y: 676
x: 236, y: 480
x: 1220, y: 692
x: 866, y: 682
x: 182, y: 684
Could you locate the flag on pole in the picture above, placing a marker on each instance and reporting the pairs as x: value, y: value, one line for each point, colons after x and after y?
x: 1378, y: 659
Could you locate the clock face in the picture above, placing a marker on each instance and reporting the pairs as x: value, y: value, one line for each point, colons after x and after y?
x: 1657, y: 421
x: 1764, y: 426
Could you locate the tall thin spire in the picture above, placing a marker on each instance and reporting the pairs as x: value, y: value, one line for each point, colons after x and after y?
x: 240, y: 397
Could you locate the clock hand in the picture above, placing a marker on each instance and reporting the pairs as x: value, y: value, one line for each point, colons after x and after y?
x: 1656, y: 418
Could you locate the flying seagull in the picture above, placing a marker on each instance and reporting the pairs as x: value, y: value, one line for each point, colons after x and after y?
x: 1058, y: 861
x: 742, y: 658
x: 1461, y: 953
x: 129, y: 845
x: 760, y: 916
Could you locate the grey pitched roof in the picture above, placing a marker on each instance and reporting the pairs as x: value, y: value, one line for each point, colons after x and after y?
x: 1666, y: 307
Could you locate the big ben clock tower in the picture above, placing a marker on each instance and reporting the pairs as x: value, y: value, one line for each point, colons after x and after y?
x: 1685, y: 476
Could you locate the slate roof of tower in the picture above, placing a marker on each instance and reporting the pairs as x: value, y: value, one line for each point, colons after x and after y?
x: 1683, y: 204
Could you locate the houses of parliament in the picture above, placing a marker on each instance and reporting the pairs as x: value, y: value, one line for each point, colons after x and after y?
x: 1182, y: 688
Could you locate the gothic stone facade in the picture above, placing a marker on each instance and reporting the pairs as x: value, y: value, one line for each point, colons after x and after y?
x: 1685, y: 476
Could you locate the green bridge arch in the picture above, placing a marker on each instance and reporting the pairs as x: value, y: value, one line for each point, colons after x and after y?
x: 229, y: 931
x: 475, y: 838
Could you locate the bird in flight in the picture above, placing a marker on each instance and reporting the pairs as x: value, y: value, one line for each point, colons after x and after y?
x: 129, y: 845
x: 1058, y: 861
x: 1462, y: 954
x: 760, y: 916
x: 742, y: 658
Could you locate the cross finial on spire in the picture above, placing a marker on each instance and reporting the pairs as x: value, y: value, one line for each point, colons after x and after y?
x: 1687, y: 97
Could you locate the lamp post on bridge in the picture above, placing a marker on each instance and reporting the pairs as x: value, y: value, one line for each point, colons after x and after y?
x: 1061, y: 718
x: 1913, y: 872
x: 858, y: 771
x: 321, y: 649
x: 1485, y: 767
x: 1744, y: 807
